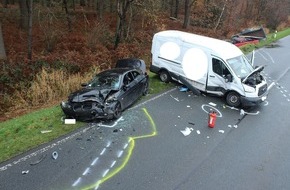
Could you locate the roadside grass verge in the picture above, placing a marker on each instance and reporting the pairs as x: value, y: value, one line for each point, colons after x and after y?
x: 24, y: 133
x: 29, y: 131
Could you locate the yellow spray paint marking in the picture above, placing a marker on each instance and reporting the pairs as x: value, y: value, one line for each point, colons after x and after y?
x: 131, y: 141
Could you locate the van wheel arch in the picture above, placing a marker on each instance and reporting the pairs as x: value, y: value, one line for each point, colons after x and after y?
x: 164, y: 76
x: 233, y: 98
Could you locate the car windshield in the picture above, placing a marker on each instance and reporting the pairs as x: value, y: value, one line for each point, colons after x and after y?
x: 241, y: 66
x: 111, y: 81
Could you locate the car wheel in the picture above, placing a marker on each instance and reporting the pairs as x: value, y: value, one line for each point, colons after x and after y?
x: 117, y: 111
x: 233, y: 99
x: 164, y: 76
x: 146, y: 88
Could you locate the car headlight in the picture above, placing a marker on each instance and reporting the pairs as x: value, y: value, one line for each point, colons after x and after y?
x: 249, y: 88
x: 110, y: 99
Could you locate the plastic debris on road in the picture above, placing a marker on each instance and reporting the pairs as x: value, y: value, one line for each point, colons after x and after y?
x: 242, y: 112
x: 198, y: 132
x: 54, y: 155
x: 186, y: 131
x: 70, y: 121
x: 183, y: 89
x: 221, y: 131
x: 174, y: 98
x: 212, y: 104
x: 25, y: 172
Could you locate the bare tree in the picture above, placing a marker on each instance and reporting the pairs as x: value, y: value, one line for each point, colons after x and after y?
x: 67, y: 15
x: 220, y: 17
x: 187, y: 7
x: 122, y: 8
x: 30, y: 29
x: 2, y: 46
x: 174, y: 8
x: 23, y: 6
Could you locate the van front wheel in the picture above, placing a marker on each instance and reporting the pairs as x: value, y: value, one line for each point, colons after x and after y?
x: 233, y: 99
x: 164, y: 76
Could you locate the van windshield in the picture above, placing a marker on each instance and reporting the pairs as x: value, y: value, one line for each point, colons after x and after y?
x: 241, y: 66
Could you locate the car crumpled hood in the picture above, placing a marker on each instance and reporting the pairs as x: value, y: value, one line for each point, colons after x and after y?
x: 89, y: 94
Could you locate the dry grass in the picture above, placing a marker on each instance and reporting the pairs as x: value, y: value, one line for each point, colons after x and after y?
x: 49, y: 87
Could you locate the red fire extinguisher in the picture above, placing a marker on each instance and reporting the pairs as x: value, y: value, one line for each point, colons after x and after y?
x: 211, y: 119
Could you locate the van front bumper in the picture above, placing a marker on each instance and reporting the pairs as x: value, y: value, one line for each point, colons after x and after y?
x: 246, y: 101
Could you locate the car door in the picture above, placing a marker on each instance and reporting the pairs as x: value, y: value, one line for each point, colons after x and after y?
x: 217, y: 82
x: 129, y: 90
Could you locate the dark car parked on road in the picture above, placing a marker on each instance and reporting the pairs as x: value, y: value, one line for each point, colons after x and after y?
x: 107, y: 95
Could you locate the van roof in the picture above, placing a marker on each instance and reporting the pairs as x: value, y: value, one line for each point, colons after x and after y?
x: 221, y: 48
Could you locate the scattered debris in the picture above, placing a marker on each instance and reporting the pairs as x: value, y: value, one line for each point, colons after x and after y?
x: 230, y: 126
x: 183, y: 89
x: 221, y: 131
x: 46, y: 131
x: 39, y: 160
x: 70, y: 121
x: 188, y: 106
x: 235, y: 126
x: 233, y: 108
x: 242, y: 112
x: 212, y: 104
x: 198, y: 132
x: 115, y: 130
x: 25, y: 172
x: 54, y: 155
x: 191, y: 123
x: 207, y: 137
x: 178, y: 116
x: 186, y: 131
x: 174, y: 98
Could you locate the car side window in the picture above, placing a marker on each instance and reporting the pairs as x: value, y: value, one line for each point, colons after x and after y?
x: 219, y: 67
x: 128, y: 78
x: 135, y: 74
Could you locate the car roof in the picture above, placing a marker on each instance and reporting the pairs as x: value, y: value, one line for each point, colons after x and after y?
x: 116, y: 71
x: 132, y: 63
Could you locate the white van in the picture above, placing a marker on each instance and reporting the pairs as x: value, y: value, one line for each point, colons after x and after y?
x: 208, y: 65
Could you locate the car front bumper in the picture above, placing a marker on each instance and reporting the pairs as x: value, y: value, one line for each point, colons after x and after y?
x: 83, y: 113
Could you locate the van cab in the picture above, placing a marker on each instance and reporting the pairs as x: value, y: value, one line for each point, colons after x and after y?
x: 208, y: 65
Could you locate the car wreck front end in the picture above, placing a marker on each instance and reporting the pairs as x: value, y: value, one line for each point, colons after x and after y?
x: 91, y: 105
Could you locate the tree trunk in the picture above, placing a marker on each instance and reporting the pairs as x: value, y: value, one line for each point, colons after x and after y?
x: 2, y: 46
x: 186, y: 14
x: 67, y: 15
x: 220, y: 17
x: 23, y: 6
x: 187, y: 8
x: 30, y: 30
x: 122, y: 7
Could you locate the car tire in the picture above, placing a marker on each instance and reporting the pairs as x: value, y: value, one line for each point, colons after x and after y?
x: 146, y: 88
x: 164, y: 76
x: 117, y: 111
x: 233, y: 99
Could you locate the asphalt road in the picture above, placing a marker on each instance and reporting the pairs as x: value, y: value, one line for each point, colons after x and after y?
x: 146, y: 150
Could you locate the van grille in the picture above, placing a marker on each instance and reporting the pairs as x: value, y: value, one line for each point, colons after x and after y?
x: 262, y: 89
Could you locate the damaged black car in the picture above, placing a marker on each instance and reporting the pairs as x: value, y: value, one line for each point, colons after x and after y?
x: 107, y: 95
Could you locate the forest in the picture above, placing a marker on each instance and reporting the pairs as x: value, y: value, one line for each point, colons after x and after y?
x: 49, y: 47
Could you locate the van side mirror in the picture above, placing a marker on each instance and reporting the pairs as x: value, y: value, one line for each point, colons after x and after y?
x: 229, y: 78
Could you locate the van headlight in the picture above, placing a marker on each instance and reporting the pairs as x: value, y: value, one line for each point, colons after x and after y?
x: 249, y: 88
